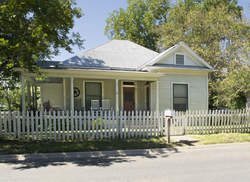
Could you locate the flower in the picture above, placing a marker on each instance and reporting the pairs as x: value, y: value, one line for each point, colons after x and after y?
x: 224, y: 79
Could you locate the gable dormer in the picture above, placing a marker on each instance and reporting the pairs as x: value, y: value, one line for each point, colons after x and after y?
x: 178, y: 56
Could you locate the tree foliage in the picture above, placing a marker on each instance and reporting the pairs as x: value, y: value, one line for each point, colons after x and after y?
x: 35, y: 30
x: 138, y: 22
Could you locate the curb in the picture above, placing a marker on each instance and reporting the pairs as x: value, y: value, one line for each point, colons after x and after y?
x: 136, y: 152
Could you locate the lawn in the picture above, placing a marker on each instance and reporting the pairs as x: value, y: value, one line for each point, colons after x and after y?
x: 222, y: 138
x: 10, y: 146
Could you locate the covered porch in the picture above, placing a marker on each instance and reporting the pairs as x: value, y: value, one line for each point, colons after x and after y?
x: 74, y: 90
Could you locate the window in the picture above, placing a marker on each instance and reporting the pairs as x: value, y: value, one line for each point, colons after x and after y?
x: 93, y: 91
x: 180, y: 59
x: 180, y: 94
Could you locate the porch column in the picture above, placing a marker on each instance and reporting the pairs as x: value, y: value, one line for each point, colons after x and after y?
x: 23, y: 94
x: 28, y: 94
x: 157, y: 96
x: 64, y: 94
x: 72, y: 93
x: 36, y: 97
x: 116, y: 95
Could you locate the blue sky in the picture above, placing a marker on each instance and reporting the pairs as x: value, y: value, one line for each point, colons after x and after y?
x: 91, y: 26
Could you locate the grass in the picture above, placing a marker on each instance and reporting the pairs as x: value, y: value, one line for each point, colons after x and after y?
x: 222, y: 138
x: 10, y: 146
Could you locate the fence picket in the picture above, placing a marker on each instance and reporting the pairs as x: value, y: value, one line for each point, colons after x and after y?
x: 113, y: 125
x: 32, y: 125
x: 136, y: 124
x: 80, y: 124
x: 93, y: 125
x: 59, y: 125
x: 84, y: 124
x: 14, y: 125
x: 1, y: 125
x: 88, y: 124
x: 50, y: 126
x: 143, y: 124
x: 75, y: 129
x: 132, y: 113
x: 101, y: 123
x: 140, y: 123
x: 129, y: 123
x: 63, y: 125
x: 147, y: 123
x: 28, y: 126
x: 67, y: 121
x: 37, y: 137
x: 105, y: 124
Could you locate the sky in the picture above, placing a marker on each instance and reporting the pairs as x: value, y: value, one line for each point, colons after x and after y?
x: 91, y: 26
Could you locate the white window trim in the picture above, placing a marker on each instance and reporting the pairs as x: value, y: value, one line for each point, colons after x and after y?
x: 83, y: 91
x: 172, y: 94
x: 180, y: 54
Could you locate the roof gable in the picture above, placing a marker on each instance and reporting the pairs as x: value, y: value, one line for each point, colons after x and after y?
x: 167, y: 57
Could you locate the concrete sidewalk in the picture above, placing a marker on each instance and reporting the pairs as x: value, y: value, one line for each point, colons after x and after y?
x: 137, y: 152
x: 184, y: 139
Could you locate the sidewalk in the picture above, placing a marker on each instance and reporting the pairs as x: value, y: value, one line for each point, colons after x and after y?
x: 137, y: 152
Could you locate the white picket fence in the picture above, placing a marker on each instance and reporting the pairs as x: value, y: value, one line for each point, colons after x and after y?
x: 110, y: 125
x: 86, y: 125
x: 209, y: 122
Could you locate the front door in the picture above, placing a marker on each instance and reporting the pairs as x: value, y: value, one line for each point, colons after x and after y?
x: 128, y: 99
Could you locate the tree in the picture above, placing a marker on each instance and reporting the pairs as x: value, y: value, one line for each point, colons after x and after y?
x: 35, y: 30
x: 208, y: 33
x: 138, y: 22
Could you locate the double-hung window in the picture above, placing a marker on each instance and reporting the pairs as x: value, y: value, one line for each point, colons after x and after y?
x: 93, y: 91
x: 180, y: 94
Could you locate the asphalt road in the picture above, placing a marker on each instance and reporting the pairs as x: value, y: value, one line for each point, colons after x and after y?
x: 208, y: 164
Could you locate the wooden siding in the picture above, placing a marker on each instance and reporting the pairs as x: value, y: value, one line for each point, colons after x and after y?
x: 52, y: 92
x: 190, y: 60
x: 197, y: 91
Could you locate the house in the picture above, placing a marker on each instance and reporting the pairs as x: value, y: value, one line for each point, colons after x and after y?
x: 128, y: 76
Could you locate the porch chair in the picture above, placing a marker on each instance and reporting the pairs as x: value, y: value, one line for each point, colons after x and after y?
x: 47, y: 107
x: 95, y: 106
x: 106, y: 105
x: 78, y: 105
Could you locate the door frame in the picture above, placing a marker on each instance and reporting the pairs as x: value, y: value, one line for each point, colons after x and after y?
x: 135, y: 92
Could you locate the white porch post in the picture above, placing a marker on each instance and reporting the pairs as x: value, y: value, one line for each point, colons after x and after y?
x: 36, y: 97
x: 72, y: 93
x: 28, y: 94
x: 23, y: 94
x: 116, y: 95
x: 64, y: 94
x: 157, y: 96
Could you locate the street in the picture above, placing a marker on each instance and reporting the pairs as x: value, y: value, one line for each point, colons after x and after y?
x: 203, y: 164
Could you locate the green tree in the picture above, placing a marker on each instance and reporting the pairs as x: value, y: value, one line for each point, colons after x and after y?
x: 35, y: 30
x: 208, y: 33
x: 138, y: 22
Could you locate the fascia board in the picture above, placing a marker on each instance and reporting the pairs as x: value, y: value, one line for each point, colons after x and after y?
x: 97, y: 74
x: 197, y: 56
x: 178, y: 70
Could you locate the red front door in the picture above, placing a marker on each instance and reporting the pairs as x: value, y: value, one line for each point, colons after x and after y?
x: 128, y: 99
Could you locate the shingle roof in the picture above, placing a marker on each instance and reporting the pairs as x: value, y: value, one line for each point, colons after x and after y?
x: 120, y: 54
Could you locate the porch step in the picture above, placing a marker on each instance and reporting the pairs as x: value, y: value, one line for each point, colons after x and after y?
x: 183, y: 138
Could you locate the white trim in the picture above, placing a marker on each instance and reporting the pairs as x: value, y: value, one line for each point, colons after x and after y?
x: 175, y: 54
x: 135, y: 92
x: 172, y: 95
x: 207, y: 92
x: 83, y: 90
x: 72, y: 94
x: 64, y: 95
x: 150, y: 98
x: 23, y: 95
x: 157, y: 96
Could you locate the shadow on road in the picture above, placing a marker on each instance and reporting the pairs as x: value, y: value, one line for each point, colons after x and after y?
x: 100, y: 160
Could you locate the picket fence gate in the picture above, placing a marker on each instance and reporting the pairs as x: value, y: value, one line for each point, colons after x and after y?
x: 86, y: 125
x: 210, y: 122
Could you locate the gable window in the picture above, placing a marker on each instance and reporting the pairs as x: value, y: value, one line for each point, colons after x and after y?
x: 180, y: 59
x: 180, y: 94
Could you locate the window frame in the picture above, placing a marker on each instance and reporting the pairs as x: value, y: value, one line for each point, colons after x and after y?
x: 83, y: 94
x: 172, y: 93
x: 184, y: 63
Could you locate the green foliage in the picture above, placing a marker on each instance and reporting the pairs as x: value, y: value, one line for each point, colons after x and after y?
x: 138, y: 22
x: 35, y: 30
x: 207, y: 27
